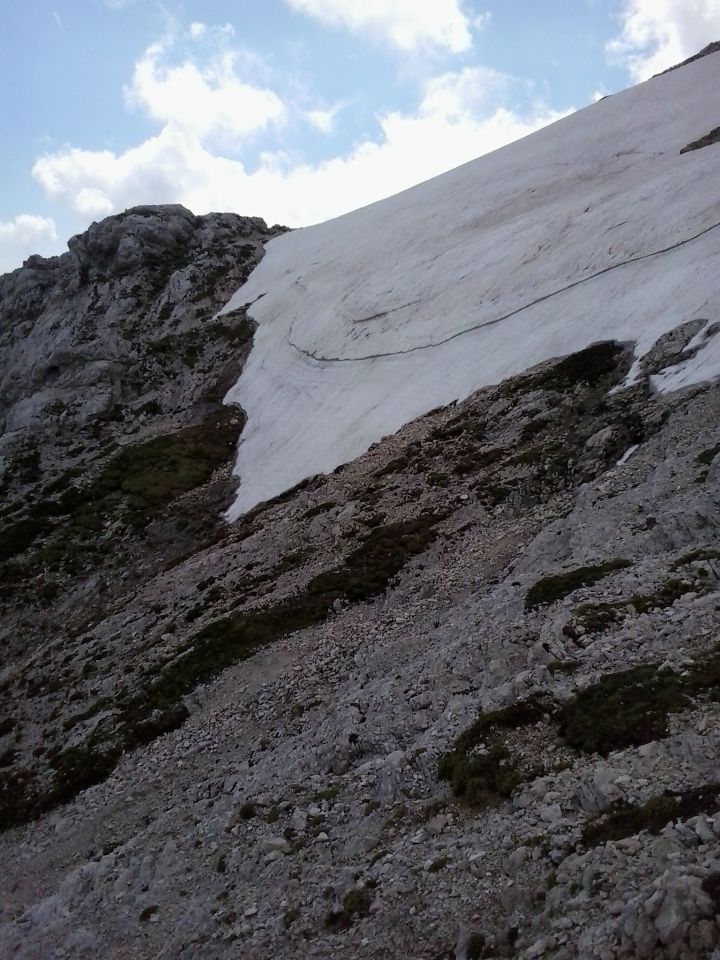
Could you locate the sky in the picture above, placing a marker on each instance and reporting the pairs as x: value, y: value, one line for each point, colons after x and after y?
x: 292, y: 110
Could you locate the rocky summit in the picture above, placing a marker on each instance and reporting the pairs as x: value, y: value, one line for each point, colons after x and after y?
x: 455, y: 697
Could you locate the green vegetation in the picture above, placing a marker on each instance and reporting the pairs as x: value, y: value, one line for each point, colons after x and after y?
x: 665, y: 595
x: 365, y: 572
x: 626, y: 819
x: 356, y: 904
x: 477, y: 947
x: 193, y: 344
x: 631, y: 707
x: 560, y: 585
x: 157, y: 707
x: 151, y: 474
x: 596, y: 617
x: 393, y: 466
x: 695, y: 556
x: 479, y: 779
x: 624, y: 709
x: 478, y: 764
x: 318, y: 509
x: 706, y: 457
x: 138, y: 480
x: 592, y: 366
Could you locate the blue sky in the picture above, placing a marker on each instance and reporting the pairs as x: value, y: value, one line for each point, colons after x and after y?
x: 293, y: 110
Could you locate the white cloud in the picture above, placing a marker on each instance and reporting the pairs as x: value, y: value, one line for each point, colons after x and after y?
x: 92, y: 202
x: 209, y: 101
x: 459, y: 95
x: 481, y: 20
x: 323, y: 120
x: 456, y: 120
x: 657, y: 34
x: 23, y: 235
x: 406, y: 24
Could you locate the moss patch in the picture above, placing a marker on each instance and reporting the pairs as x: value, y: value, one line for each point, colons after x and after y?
x: 478, y: 764
x: 157, y: 707
x: 560, y: 585
x: 139, y: 480
x: 665, y: 595
x: 365, y: 572
x: 626, y: 819
x: 591, y: 366
x: 356, y: 904
x: 695, y: 556
x: 623, y: 709
x: 151, y: 474
x: 596, y: 617
x: 706, y: 457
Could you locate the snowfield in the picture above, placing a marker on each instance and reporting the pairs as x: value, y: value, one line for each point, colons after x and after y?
x: 593, y: 228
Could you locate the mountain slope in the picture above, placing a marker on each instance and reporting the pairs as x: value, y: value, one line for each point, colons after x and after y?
x: 458, y: 698
x: 593, y: 228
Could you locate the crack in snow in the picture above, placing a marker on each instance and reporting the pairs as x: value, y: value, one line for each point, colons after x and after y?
x: 313, y: 355
x: 386, y: 313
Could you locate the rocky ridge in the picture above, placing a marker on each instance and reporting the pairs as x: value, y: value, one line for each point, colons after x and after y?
x: 457, y: 699
x: 114, y: 371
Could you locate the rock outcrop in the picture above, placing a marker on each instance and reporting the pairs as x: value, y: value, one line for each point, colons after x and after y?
x: 111, y: 391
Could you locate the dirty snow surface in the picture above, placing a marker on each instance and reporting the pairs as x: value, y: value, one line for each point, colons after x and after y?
x: 593, y: 228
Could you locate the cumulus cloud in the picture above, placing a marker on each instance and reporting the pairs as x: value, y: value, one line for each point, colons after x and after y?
x: 23, y: 235
x: 208, y: 101
x: 406, y: 24
x: 656, y: 34
x: 457, y: 118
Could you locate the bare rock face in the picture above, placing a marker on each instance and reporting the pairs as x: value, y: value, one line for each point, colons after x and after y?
x: 112, y: 325
x: 111, y: 393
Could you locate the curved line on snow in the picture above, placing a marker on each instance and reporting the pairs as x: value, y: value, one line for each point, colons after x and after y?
x: 491, y: 323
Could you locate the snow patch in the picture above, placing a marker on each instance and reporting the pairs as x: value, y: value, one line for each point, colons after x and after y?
x: 704, y: 364
x: 594, y: 228
x: 628, y: 453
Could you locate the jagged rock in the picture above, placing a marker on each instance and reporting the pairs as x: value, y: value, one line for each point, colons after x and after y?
x: 675, y: 918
